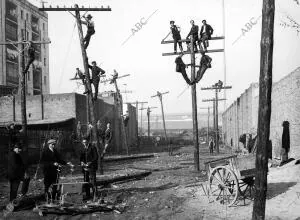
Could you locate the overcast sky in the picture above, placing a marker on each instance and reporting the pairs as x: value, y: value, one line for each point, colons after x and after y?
x: 141, y: 56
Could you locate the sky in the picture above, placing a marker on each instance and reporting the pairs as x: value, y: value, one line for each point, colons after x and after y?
x: 141, y: 55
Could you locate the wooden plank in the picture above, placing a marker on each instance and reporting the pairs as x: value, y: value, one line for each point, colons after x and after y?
x: 220, y: 159
x: 188, y: 52
x: 129, y: 157
x: 187, y: 40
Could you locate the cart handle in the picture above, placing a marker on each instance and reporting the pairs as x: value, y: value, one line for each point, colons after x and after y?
x: 223, y: 158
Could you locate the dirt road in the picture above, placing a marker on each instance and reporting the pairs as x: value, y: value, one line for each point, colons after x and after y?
x: 173, y: 191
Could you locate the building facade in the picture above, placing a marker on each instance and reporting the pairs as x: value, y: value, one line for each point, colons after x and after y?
x: 20, y: 20
x: 242, y: 116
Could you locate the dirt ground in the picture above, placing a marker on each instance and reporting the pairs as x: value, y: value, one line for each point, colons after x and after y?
x: 173, y: 191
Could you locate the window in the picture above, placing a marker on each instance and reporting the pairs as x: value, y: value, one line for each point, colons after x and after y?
x: 45, y: 80
x: 22, y: 15
x: 28, y: 76
x: 43, y: 26
x: 26, y: 16
x: 45, y: 62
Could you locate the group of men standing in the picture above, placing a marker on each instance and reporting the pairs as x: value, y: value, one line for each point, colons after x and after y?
x: 52, y: 161
x: 199, y: 39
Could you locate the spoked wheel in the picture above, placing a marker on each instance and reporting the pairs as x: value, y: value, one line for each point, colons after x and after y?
x: 247, y: 188
x: 223, y: 186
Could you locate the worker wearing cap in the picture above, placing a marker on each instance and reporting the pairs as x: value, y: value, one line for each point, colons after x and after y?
x: 89, y: 163
x: 96, y: 73
x: 175, y: 30
x: 16, y: 172
x: 51, y: 160
x: 90, y: 30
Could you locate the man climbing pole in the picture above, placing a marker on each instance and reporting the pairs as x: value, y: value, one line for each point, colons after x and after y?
x: 180, y: 68
x: 194, y: 31
x: 175, y: 30
x: 205, y: 35
x: 96, y: 73
x: 205, y: 62
x: 31, y: 55
x: 90, y: 30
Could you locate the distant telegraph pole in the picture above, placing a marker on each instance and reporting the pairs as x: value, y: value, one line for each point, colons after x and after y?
x: 217, y: 87
x: 148, y: 117
x: 159, y: 95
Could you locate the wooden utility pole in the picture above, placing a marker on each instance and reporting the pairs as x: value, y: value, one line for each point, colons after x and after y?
x: 216, y: 129
x: 159, y: 95
x: 90, y: 100
x: 148, y: 117
x: 264, y: 112
x: 217, y: 87
x: 137, y: 113
x: 120, y: 106
x: 24, y: 71
x: 193, y: 90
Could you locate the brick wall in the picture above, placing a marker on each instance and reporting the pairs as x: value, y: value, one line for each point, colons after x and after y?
x: 241, y: 117
x: 71, y: 105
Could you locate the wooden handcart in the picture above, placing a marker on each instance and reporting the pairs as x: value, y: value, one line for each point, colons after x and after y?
x: 230, y: 178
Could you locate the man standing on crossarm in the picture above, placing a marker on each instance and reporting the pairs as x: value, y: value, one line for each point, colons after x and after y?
x: 175, y: 30
x: 89, y: 164
x: 96, y: 73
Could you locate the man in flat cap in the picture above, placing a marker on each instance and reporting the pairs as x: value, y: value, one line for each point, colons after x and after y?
x: 175, y: 30
x: 90, y: 29
x: 16, y: 173
x: 51, y: 160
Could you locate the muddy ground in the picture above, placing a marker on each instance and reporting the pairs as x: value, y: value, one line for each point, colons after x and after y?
x: 173, y: 191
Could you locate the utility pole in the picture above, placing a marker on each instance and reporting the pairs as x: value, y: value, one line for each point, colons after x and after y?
x: 90, y: 100
x: 148, y: 116
x: 141, y: 109
x: 119, y: 105
x: 217, y: 87
x: 24, y: 70
x: 159, y: 95
x: 137, y: 114
x: 264, y: 112
x: 193, y: 91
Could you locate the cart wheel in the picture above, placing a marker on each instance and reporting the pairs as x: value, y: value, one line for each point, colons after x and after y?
x: 247, y: 188
x: 223, y: 186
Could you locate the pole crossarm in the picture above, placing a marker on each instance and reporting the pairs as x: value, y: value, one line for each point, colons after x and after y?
x: 212, y: 100
x: 188, y: 52
x: 74, y: 9
x: 188, y: 40
x: 108, y: 80
x: 159, y: 94
x: 147, y: 108
x: 25, y: 42
x: 215, y: 87
x: 137, y: 102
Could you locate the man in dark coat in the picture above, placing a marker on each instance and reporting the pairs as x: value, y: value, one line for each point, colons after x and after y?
x: 31, y: 56
x: 194, y: 32
x: 13, y: 135
x: 180, y: 67
x: 205, y: 63
x: 205, y: 34
x: 89, y: 164
x: 96, y: 73
x: 285, y: 140
x: 16, y: 172
x: 211, y: 146
x: 51, y: 161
